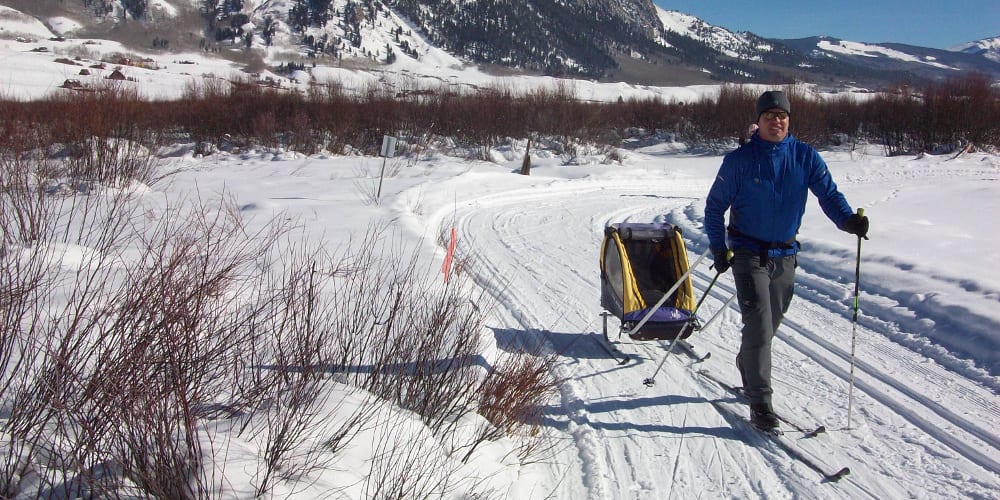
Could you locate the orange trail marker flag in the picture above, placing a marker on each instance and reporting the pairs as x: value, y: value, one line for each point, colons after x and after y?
x: 446, y: 267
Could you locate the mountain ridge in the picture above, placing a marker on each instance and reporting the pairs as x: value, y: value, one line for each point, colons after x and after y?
x: 630, y: 41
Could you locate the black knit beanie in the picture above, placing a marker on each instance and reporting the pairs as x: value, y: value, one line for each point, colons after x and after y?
x: 773, y: 99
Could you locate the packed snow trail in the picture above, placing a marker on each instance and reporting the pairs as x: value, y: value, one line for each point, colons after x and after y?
x: 922, y: 424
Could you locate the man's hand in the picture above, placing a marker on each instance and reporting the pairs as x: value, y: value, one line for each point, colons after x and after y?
x: 723, y: 259
x: 856, y: 224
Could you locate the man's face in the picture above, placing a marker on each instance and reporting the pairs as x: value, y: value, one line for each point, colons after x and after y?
x: 773, y: 125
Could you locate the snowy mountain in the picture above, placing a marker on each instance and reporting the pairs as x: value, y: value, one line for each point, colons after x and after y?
x: 987, y: 47
x: 894, y: 57
x: 815, y: 58
x: 739, y: 45
x: 609, y: 40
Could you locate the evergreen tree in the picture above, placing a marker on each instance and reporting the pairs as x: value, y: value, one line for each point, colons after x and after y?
x: 137, y: 8
x: 319, y: 12
x: 298, y: 15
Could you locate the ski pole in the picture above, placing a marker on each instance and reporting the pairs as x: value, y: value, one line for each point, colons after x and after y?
x: 854, y: 323
x: 650, y: 381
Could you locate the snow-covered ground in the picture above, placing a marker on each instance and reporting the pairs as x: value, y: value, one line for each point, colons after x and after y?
x: 925, y: 404
x: 926, y: 399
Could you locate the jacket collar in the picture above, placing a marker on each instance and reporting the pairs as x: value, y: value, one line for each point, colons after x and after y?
x: 769, y: 146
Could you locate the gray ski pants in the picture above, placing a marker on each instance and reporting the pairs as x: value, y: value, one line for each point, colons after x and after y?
x: 764, y: 294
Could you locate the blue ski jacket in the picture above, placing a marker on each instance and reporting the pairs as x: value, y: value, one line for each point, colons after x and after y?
x: 764, y: 186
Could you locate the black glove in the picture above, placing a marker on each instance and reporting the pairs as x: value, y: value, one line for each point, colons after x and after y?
x: 856, y: 224
x: 723, y: 259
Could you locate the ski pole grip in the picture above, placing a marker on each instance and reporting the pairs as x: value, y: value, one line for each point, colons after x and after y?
x: 861, y: 212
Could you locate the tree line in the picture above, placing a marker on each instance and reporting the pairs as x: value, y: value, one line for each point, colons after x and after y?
x: 239, y: 114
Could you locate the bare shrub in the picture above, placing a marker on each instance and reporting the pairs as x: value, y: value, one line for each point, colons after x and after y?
x: 425, y: 348
x: 293, y: 374
x: 52, y: 321
x: 406, y: 464
x: 734, y: 110
x: 265, y: 129
x: 366, y: 184
x: 416, y: 203
x: 960, y: 111
x: 809, y: 123
x: 512, y: 397
x: 126, y: 380
x: 219, y: 114
x: 893, y: 120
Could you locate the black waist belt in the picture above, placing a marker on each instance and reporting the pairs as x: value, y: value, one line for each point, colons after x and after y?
x: 764, y: 247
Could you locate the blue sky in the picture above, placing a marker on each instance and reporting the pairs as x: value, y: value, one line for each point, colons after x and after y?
x: 928, y: 23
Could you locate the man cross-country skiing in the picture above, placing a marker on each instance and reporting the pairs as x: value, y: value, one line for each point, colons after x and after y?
x: 764, y: 185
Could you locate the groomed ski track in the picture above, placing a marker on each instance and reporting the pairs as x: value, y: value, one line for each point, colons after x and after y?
x: 622, y: 439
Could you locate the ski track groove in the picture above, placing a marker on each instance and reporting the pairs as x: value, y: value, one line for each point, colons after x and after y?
x: 822, y: 461
x: 589, y: 447
x: 881, y: 396
x: 707, y: 386
x: 677, y: 457
x: 884, y: 328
